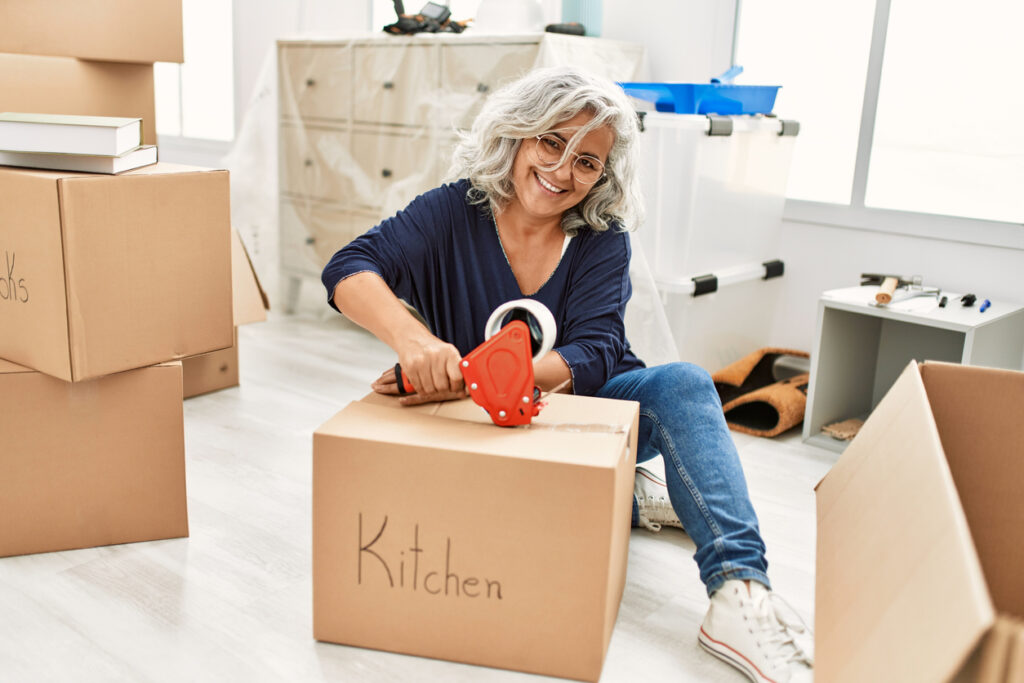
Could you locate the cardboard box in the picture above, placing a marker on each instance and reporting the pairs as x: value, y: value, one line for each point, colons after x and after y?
x: 109, y: 30
x: 210, y: 372
x: 61, y: 85
x: 921, y: 532
x: 219, y: 369
x: 92, y: 463
x: 108, y: 273
x: 436, y: 533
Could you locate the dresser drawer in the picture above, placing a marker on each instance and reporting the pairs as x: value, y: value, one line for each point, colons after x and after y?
x: 397, y: 165
x: 311, y: 232
x: 396, y: 84
x: 317, y: 162
x: 316, y: 82
x: 469, y: 73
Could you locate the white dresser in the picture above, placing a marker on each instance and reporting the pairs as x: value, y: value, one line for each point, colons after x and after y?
x: 366, y: 124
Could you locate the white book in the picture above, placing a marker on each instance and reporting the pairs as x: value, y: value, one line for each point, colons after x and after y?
x: 89, y: 163
x: 63, y: 134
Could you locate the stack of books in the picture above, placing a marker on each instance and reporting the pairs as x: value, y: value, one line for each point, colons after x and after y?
x: 93, y: 144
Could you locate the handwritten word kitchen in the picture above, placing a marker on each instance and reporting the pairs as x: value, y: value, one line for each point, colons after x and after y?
x: 407, y: 569
x: 11, y: 288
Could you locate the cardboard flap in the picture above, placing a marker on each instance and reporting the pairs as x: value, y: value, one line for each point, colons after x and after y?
x: 978, y: 414
x: 249, y: 299
x: 894, y: 553
x: 8, y: 368
x: 376, y: 420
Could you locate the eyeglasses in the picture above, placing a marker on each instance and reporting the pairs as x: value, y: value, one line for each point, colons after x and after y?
x: 550, y: 150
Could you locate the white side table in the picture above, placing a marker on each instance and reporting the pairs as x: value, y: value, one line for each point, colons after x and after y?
x: 860, y: 349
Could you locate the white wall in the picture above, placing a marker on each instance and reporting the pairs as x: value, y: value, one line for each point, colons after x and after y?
x: 820, y: 257
x: 687, y: 40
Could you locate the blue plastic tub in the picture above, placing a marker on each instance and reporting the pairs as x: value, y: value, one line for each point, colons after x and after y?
x: 706, y: 98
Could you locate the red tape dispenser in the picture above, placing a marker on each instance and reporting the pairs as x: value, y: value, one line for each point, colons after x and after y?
x: 499, y: 372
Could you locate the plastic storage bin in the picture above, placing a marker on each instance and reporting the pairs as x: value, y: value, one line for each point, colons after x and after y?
x: 705, y: 98
x: 714, y: 206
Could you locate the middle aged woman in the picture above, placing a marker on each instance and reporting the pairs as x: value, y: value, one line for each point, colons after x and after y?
x: 548, y: 185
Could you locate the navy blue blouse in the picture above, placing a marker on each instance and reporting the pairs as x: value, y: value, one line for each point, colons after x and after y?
x: 443, y: 256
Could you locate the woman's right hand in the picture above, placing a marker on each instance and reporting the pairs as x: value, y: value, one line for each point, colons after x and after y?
x: 431, y: 366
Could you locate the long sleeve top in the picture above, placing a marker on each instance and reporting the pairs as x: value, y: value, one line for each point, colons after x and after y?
x: 443, y: 256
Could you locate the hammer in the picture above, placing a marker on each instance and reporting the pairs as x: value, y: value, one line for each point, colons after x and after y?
x: 888, y: 284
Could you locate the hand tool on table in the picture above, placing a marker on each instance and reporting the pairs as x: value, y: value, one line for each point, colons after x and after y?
x: 895, y: 288
x: 499, y: 372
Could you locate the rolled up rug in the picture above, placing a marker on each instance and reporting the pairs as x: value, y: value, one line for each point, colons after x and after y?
x: 754, y: 400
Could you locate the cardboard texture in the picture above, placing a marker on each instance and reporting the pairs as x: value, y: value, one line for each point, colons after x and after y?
x: 249, y: 301
x: 61, y: 85
x: 219, y: 369
x: 92, y: 463
x: 108, y: 30
x: 921, y: 533
x: 210, y: 372
x: 108, y: 273
x: 436, y: 533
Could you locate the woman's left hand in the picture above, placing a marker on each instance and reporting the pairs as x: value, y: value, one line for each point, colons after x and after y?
x: 387, y: 383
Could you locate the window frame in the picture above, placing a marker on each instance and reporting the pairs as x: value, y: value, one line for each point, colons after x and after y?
x: 855, y: 215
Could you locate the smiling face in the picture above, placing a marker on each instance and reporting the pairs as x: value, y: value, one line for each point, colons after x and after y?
x: 543, y: 194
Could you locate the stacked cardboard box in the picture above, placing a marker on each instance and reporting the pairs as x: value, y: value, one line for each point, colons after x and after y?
x: 86, y: 58
x: 90, y: 463
x: 105, y: 279
x: 422, y: 543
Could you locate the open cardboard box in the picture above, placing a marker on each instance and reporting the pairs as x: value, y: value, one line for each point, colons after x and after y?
x: 101, y: 273
x: 108, y: 30
x: 437, y: 533
x: 90, y: 463
x: 218, y: 370
x: 921, y: 534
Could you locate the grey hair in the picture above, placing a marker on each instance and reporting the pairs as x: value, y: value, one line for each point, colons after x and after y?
x: 535, y: 104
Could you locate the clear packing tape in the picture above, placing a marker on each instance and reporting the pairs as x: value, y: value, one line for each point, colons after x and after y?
x: 340, y: 134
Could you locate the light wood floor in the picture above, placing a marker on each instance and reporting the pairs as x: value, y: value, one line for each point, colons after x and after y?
x: 233, y: 601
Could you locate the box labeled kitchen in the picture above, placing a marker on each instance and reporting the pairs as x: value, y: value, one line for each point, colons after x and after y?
x: 436, y: 533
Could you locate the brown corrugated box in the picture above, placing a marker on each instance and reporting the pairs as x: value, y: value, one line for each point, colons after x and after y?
x: 921, y: 534
x: 109, y: 30
x: 219, y: 369
x: 62, y: 85
x: 436, y: 533
x: 108, y: 273
x: 90, y: 463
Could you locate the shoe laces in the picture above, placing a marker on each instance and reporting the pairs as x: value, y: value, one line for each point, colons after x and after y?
x: 653, y: 509
x: 783, y: 627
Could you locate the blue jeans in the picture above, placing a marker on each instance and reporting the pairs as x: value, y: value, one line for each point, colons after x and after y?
x: 681, y: 418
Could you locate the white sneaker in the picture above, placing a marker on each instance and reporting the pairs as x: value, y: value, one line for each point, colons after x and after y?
x: 751, y: 631
x: 652, y: 502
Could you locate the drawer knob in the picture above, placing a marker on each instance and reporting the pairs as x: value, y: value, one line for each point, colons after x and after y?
x: 386, y: 172
x: 482, y: 87
x: 309, y: 162
x: 388, y: 85
x: 310, y: 240
x: 310, y: 82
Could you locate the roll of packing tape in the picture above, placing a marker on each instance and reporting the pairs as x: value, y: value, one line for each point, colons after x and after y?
x: 545, y: 323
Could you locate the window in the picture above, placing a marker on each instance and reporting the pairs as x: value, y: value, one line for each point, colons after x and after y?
x: 907, y: 111
x: 196, y: 99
